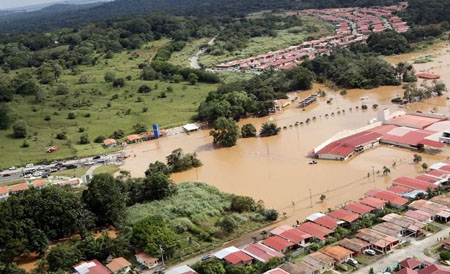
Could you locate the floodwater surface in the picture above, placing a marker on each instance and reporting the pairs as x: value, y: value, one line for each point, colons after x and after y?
x: 276, y: 169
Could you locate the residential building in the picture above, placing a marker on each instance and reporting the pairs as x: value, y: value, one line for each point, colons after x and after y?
x: 90, y: 267
x: 146, y: 260
x: 119, y: 265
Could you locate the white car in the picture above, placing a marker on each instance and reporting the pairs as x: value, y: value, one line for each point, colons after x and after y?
x: 29, y: 165
x: 37, y: 174
x: 370, y: 252
x: 12, y: 168
x: 352, y: 262
x: 89, y: 163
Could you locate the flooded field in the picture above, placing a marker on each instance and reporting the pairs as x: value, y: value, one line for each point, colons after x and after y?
x: 276, y: 169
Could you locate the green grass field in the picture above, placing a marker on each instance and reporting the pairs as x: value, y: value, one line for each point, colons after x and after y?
x: 110, y: 169
x: 312, y: 28
x: 177, y: 108
x: 76, y: 172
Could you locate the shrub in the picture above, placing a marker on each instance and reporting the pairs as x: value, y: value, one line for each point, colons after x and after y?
x: 84, y: 139
x: 270, y: 214
x: 61, y: 136
x: 87, y: 115
x: 109, y: 77
x: 119, y: 82
x: 144, y: 89
x: 71, y: 115
x: 47, y: 118
x: 20, y: 130
x: 25, y: 144
x: 139, y: 128
x: 364, y: 107
x: 81, y: 129
x: 227, y: 224
x: 242, y: 204
x: 118, y: 134
x: 99, y: 139
x: 444, y: 255
x: 269, y: 129
x: 248, y: 130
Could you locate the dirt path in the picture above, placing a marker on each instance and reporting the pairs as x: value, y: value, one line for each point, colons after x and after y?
x: 194, y: 59
x: 416, y: 249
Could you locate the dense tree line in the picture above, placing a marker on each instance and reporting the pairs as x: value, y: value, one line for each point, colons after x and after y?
x: 425, y: 12
x: 388, y: 42
x: 58, y: 17
x: 255, y: 96
x: 216, y: 266
x: 353, y: 70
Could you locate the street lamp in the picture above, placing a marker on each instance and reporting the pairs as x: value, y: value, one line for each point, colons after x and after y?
x: 162, y: 254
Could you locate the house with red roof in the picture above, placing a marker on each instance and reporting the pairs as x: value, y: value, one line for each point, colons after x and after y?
x: 392, y: 198
x: 413, y: 266
x: 276, y: 271
x: 90, y: 267
x: 4, y: 192
x: 344, y: 215
x: 354, y: 244
x: 328, y: 222
x: 359, y: 208
x: 119, y: 265
x: 315, y: 230
x: 39, y: 184
x: 146, y: 260
x: 278, y: 243
x: 414, y: 183
x: 238, y: 258
x: 19, y: 187
x: 373, y: 202
x: 109, y: 143
x: 261, y: 252
x: 293, y: 235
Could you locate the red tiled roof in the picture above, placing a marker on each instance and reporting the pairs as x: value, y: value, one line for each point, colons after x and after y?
x: 92, y: 267
x: 437, y: 172
x: 39, y: 183
x: 315, y: 230
x: 406, y: 271
x: 390, y: 197
x: 359, y: 208
x: 426, y: 178
x: 117, y: 264
x: 109, y: 141
x: 294, y: 235
x: 410, y: 263
x: 238, y: 257
x: 133, y: 137
x: 400, y: 189
x: 261, y: 252
x: 19, y: 187
x: 4, y: 190
x: 428, y: 76
x: 434, y: 269
x: 445, y: 168
x: 418, y: 215
x: 344, y: 215
x: 277, y: 243
x: 327, y: 221
x: 373, y: 202
x: 414, y: 183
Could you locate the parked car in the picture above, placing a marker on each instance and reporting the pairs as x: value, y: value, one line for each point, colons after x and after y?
x: 29, y: 165
x: 206, y: 257
x: 45, y: 175
x: 26, y: 176
x: 12, y: 168
x: 6, y: 175
x: 37, y: 174
x: 370, y: 252
x: 53, y: 169
x: 89, y: 163
x: 352, y: 262
x: 70, y: 166
x: 96, y: 157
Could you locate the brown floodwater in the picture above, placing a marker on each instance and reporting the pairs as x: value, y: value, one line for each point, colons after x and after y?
x: 276, y: 169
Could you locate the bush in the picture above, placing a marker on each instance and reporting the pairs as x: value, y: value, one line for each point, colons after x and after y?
x: 84, y: 139
x: 139, y: 128
x: 242, y: 204
x: 270, y: 214
x: 71, y: 115
x: 248, y: 130
x: 444, y: 255
x: 61, y: 136
x: 119, y: 82
x: 144, y: 89
x: 109, y: 77
x: 118, y: 134
x: 81, y: 129
x: 227, y: 224
x: 25, y: 144
x: 99, y: 139
x: 269, y: 129
x: 364, y: 107
x: 20, y: 130
x: 47, y: 118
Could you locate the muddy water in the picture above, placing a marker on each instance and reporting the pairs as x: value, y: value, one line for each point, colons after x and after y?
x: 276, y: 169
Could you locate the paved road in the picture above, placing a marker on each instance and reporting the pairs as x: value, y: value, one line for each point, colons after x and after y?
x: 416, y: 249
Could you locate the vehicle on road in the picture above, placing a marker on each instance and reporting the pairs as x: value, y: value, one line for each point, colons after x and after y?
x: 96, y: 157
x: 29, y: 165
x: 370, y: 252
x: 89, y: 163
x: 313, y: 162
x: 45, y: 175
x: 26, y: 176
x: 12, y: 168
x: 352, y: 262
x: 37, y: 174
x: 70, y: 166
x: 53, y: 169
x: 6, y: 175
x: 206, y: 257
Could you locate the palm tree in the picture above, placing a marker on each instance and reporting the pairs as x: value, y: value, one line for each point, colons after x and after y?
x: 386, y: 170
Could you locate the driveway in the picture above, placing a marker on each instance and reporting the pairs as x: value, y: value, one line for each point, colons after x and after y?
x: 416, y: 249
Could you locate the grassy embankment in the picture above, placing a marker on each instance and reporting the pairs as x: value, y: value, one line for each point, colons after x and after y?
x: 177, y: 108
x: 193, y: 213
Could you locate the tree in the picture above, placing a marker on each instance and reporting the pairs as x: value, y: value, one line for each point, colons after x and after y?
x: 139, y: 128
x: 118, y: 134
x: 20, y: 130
x: 63, y: 256
x: 225, y: 132
x: 417, y: 158
x: 119, y: 82
x: 152, y: 233
x: 177, y: 161
x: 248, y: 130
x: 5, y: 118
x: 158, y: 186
x: 386, y: 170
x: 212, y: 266
x: 227, y: 224
x: 84, y: 139
x: 192, y: 78
x: 323, y: 197
x: 11, y: 268
x: 157, y: 167
x: 242, y: 204
x: 109, y: 77
x: 105, y: 197
x: 144, y: 89
x: 269, y: 129
x: 425, y: 166
x: 71, y: 115
x: 387, y: 42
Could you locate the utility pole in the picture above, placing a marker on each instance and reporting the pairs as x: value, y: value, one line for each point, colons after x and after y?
x: 373, y: 175
x: 162, y: 254
x: 310, y: 198
x: 196, y: 173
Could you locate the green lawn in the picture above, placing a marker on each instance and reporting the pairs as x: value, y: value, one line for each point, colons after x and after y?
x: 312, y: 28
x: 77, y: 172
x: 110, y: 169
x: 91, y: 98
